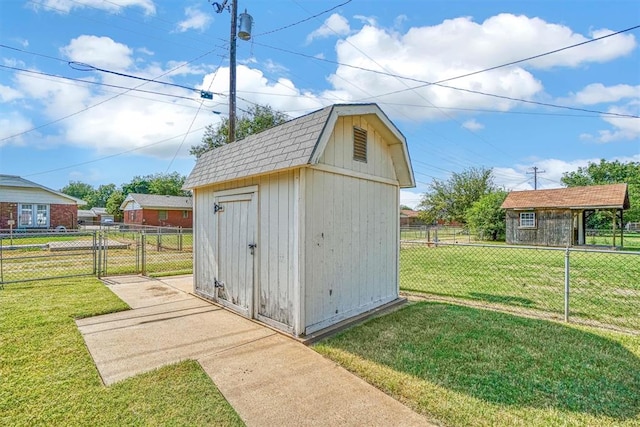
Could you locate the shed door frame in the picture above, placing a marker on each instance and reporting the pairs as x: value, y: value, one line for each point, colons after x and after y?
x: 248, y: 194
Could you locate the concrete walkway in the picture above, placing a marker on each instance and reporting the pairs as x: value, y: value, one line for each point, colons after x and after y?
x: 269, y: 378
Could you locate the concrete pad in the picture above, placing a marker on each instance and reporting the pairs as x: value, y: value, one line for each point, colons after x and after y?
x: 277, y: 381
x: 269, y: 378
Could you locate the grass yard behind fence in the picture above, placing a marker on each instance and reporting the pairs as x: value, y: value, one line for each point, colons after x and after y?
x: 47, y: 376
x: 604, y: 287
x: 464, y: 366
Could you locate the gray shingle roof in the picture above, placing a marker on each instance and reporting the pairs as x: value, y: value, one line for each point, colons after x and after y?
x: 16, y: 181
x: 158, y: 201
x: 295, y: 143
x: 281, y: 147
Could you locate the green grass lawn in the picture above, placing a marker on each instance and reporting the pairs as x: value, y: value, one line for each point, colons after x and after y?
x: 604, y: 287
x: 464, y: 366
x: 47, y: 376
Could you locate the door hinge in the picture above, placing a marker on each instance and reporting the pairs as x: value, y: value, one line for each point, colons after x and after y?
x: 253, y: 247
x: 217, y: 208
x: 218, y: 283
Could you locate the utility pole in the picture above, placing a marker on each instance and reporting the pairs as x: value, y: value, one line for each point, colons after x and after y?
x: 535, y: 173
x: 232, y: 72
x: 246, y: 22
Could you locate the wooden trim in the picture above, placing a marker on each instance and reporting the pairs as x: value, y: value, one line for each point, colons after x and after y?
x: 351, y: 173
x: 235, y: 191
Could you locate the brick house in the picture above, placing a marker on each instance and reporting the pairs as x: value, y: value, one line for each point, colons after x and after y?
x: 157, y: 210
x: 27, y: 205
x: 409, y: 218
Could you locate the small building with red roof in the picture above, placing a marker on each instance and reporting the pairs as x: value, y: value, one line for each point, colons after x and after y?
x: 557, y: 217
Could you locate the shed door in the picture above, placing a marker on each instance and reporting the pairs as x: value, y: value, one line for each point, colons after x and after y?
x: 235, y: 225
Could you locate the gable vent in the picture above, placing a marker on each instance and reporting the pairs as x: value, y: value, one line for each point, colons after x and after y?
x: 359, y: 144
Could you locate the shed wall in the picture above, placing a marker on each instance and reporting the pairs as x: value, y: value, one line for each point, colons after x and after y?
x: 553, y: 228
x: 339, y: 150
x: 350, y: 246
x: 276, y: 251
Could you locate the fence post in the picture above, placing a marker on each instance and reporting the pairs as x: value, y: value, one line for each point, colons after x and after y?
x: 99, y: 254
x: 1, y: 266
x: 566, y: 285
x: 95, y: 253
x: 143, y: 264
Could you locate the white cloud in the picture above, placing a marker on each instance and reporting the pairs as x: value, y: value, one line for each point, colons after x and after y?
x: 101, y: 52
x: 410, y: 198
x: 12, y: 124
x: 335, y: 25
x: 622, y: 128
x: 550, y: 171
x: 66, y: 6
x: 456, y: 47
x: 368, y: 20
x: 472, y: 125
x: 195, y: 20
x: 597, y: 93
x: 8, y: 94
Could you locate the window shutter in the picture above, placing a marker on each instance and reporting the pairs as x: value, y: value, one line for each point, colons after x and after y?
x: 359, y: 144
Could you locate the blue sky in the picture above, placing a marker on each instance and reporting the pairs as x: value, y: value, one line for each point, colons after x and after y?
x: 110, y: 126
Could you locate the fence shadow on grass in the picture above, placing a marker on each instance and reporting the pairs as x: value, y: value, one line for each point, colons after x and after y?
x: 502, y: 359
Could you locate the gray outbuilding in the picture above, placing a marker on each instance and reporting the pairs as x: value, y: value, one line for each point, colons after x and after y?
x: 298, y: 226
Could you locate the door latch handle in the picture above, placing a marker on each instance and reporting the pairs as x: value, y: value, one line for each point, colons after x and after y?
x: 252, y: 247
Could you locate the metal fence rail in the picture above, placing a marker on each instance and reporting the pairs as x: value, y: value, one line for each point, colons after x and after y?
x: 596, y: 287
x: 107, y: 251
x: 36, y: 256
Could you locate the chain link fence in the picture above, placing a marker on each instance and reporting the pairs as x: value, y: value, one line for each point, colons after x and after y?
x: 115, y: 250
x: 595, y: 287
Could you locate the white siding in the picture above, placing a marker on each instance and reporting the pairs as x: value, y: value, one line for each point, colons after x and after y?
x: 339, y: 150
x: 276, y: 243
x: 350, y: 247
x: 32, y: 195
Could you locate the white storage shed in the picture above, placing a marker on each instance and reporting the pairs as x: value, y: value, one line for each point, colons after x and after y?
x: 298, y: 226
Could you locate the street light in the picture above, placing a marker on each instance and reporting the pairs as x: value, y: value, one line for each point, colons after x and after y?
x: 246, y: 22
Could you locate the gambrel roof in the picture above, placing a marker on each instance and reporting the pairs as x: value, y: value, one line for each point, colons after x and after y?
x: 158, y: 201
x: 592, y: 197
x: 296, y: 143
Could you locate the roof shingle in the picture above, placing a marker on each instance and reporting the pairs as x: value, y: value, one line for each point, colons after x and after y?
x: 594, y: 196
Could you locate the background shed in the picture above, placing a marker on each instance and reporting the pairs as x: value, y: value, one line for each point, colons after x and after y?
x: 298, y: 226
x: 557, y: 217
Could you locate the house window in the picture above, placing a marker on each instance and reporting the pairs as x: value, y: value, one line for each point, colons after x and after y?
x: 33, y: 215
x: 185, y: 214
x: 163, y: 215
x: 527, y: 219
x: 359, y: 144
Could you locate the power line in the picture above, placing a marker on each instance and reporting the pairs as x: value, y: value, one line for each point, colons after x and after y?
x: 439, y: 83
x: 535, y: 173
x: 303, y: 20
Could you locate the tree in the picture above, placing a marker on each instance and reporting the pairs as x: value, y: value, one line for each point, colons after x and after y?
x: 113, y: 204
x: 102, y: 194
x: 256, y: 119
x: 609, y: 172
x: 81, y: 191
x: 169, y: 184
x: 405, y: 208
x: 485, y: 217
x: 448, y: 200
